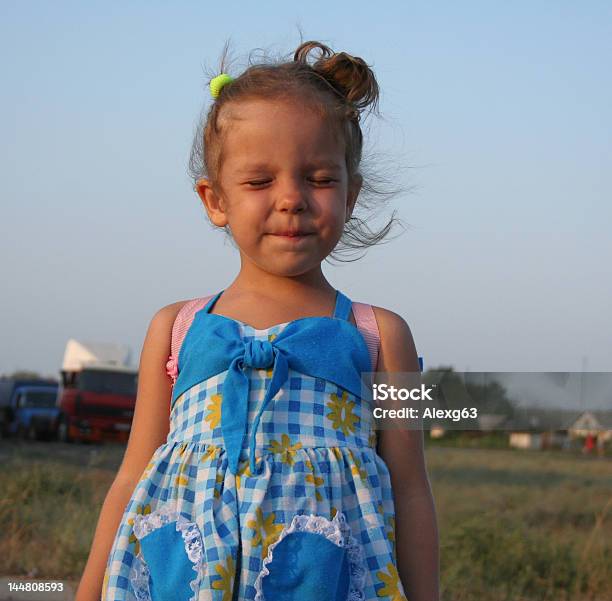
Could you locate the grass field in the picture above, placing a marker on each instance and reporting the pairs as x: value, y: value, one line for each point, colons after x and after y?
x: 523, y: 525
x: 514, y: 525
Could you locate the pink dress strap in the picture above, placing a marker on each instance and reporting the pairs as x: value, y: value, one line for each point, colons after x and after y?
x: 182, y: 323
x: 367, y: 325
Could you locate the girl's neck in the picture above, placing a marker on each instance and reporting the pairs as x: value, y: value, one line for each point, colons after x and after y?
x: 253, y: 280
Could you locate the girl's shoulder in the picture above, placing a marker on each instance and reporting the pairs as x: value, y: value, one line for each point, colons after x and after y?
x: 166, y: 317
x: 164, y: 320
x: 387, y: 319
x: 171, y: 310
x: 397, y: 348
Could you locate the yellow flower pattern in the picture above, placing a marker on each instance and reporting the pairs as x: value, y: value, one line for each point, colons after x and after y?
x: 337, y: 453
x: 266, y: 531
x: 182, y: 479
x: 392, y: 584
x: 312, y: 479
x: 245, y: 470
x: 218, y: 480
x: 140, y: 510
x: 285, y: 448
x: 147, y: 470
x: 356, y: 468
x: 269, y: 371
x: 226, y: 582
x: 341, y: 413
x: 211, y: 452
x: 214, y: 411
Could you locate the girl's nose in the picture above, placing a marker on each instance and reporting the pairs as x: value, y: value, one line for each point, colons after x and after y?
x: 292, y: 198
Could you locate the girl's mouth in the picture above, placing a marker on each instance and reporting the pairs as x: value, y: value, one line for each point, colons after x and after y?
x: 292, y: 237
x: 292, y: 234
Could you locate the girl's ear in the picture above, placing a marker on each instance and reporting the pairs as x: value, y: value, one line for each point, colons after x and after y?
x: 353, y: 192
x: 214, y: 205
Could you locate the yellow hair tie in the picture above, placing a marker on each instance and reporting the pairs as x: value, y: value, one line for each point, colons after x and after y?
x: 217, y: 83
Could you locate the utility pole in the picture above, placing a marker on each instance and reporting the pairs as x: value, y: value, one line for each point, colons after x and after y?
x: 582, y: 381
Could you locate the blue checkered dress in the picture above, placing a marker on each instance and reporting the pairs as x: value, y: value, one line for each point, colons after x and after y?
x: 194, y: 530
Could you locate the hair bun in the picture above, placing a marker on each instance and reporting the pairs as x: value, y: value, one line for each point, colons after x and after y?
x: 348, y: 75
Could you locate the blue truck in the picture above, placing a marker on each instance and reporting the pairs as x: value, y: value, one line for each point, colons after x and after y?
x: 28, y: 408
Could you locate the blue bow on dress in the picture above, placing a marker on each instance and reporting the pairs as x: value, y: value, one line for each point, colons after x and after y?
x: 330, y: 348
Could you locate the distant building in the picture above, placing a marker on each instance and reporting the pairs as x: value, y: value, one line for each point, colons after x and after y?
x: 592, y: 423
x: 537, y: 429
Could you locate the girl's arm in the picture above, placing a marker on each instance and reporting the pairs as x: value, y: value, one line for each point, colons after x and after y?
x: 150, y: 426
x: 416, y: 532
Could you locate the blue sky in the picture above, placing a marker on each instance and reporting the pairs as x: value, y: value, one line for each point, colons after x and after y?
x: 496, y: 118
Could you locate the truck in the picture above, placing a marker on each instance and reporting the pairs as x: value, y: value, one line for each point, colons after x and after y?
x: 97, y: 393
x: 28, y: 408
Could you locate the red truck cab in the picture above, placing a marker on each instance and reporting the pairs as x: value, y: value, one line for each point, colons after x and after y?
x: 97, y: 393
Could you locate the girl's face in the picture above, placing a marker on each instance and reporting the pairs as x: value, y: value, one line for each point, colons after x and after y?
x: 284, y: 189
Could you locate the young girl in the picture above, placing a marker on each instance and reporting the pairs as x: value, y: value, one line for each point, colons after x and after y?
x: 253, y: 470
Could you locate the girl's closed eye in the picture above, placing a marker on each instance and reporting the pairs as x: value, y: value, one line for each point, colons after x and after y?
x: 319, y: 181
x: 323, y: 181
x: 258, y: 183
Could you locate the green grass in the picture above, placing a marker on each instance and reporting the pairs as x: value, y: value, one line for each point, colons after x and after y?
x: 51, y: 498
x: 520, y: 525
x: 514, y: 525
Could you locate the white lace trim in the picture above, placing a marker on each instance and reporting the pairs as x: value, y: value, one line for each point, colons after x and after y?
x: 145, y: 524
x: 336, y: 531
x: 139, y: 581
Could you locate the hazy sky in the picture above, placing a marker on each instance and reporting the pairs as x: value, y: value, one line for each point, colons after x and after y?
x: 496, y: 117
